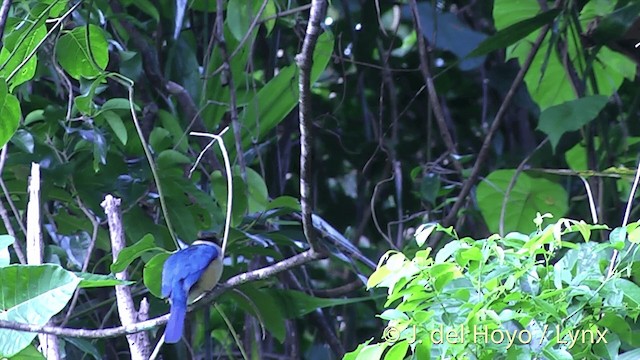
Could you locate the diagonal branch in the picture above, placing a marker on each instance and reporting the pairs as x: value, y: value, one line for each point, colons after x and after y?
x: 486, y: 145
x: 4, y: 14
x: 255, y: 275
x: 431, y: 89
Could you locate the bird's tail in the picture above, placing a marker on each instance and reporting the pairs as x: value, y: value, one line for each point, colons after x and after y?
x: 173, y: 332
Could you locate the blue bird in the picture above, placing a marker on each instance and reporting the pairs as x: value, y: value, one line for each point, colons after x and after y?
x: 186, y: 275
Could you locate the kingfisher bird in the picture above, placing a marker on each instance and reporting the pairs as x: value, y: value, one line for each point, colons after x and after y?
x: 186, y: 275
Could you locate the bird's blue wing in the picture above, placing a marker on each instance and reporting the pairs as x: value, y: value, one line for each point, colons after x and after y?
x: 180, y: 272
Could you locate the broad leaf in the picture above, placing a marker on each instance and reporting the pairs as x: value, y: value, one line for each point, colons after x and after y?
x: 528, y: 196
x: 570, y: 116
x: 152, y: 275
x: 31, y: 294
x: 130, y: 253
x: 9, y: 113
x: 80, y: 58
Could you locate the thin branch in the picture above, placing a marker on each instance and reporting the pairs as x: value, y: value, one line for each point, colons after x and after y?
x: 431, y: 89
x: 486, y: 145
x: 94, y: 235
x: 228, y: 77
x: 5, y: 216
x: 255, y: 275
x: 512, y: 183
x: 305, y: 62
x: 4, y: 13
x: 229, y: 176
x: 256, y: 21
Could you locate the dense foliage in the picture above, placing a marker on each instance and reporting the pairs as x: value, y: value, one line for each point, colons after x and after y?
x: 477, y: 116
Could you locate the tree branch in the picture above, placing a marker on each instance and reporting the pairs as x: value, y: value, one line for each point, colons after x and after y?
x: 255, y: 275
x: 139, y: 344
x: 431, y: 89
x: 4, y: 13
x: 305, y: 62
x: 486, y: 145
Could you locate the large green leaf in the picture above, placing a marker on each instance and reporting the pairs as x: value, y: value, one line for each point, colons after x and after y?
x: 547, y: 79
x: 11, y: 57
x: 513, y: 33
x: 264, y: 305
x: 241, y: 13
x: 570, y: 116
x: 528, y: 196
x: 130, y: 253
x: 31, y: 294
x: 152, y: 275
x: 75, y: 56
x: 279, y: 96
x: 9, y: 113
x: 89, y: 280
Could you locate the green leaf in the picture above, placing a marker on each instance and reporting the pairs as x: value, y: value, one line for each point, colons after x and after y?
x: 278, y: 97
x: 257, y: 192
x: 131, y: 253
x: 614, y: 25
x: 378, y: 276
x: 152, y: 275
x: 23, y: 140
x: 423, y: 232
x: 170, y: 158
x: 631, y: 292
x: 265, y: 306
x: 118, y: 104
x: 116, y: 124
x: 75, y: 56
x: 513, y: 33
x: 288, y: 202
x: 9, y: 113
x: 430, y: 187
x: 28, y: 353
x: 354, y: 354
x: 372, y: 352
x: 89, y: 280
x: 86, y: 346
x: 5, y: 242
x: 32, y: 294
x: 397, y: 351
x: 570, y: 116
x: 297, y: 304
x: 443, y: 274
x: 528, y: 196
x: 11, y: 57
x: 241, y: 13
x: 148, y: 8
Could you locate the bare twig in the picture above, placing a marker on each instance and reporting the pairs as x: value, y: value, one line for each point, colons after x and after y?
x: 305, y: 61
x: 139, y: 344
x: 431, y: 89
x: 256, y: 21
x: 255, y: 275
x: 49, y: 345
x: 228, y: 76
